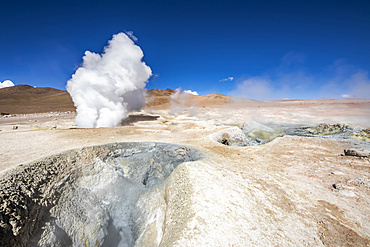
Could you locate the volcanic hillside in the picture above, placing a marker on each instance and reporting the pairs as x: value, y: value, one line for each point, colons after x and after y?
x: 22, y: 99
x: 163, y: 99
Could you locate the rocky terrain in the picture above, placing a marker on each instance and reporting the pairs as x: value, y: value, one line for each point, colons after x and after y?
x: 228, y: 172
x: 47, y: 203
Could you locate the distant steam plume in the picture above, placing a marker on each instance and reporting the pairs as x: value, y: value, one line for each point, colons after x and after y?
x: 181, y: 102
x: 109, y: 85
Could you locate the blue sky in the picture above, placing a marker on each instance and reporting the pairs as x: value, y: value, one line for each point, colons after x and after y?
x: 270, y: 49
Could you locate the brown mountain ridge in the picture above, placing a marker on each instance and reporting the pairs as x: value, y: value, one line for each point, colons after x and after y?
x: 23, y: 99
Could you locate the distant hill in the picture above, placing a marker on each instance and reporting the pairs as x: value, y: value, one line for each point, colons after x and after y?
x: 159, y: 92
x: 22, y: 99
x: 161, y: 99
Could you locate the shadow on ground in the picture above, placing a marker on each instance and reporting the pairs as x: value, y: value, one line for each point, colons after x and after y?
x: 137, y: 118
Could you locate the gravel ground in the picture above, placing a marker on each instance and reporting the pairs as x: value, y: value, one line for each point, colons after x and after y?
x: 292, y: 191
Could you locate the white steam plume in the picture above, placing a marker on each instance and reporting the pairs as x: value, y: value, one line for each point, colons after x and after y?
x: 181, y: 102
x: 6, y: 83
x: 107, y: 86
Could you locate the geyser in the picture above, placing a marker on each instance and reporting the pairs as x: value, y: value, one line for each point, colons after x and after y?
x: 109, y: 195
x: 109, y: 85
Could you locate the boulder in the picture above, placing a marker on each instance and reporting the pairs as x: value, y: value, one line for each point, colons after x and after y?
x: 357, y: 153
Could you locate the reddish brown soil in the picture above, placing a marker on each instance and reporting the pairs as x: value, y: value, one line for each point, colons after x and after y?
x: 24, y: 99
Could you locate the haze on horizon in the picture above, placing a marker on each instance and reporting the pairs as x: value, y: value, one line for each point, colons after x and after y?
x: 247, y: 49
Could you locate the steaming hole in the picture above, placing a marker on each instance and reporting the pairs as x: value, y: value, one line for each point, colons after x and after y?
x: 107, y: 195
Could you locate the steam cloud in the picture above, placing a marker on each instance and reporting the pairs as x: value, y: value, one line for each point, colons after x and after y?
x: 108, y: 86
x: 6, y: 83
x: 181, y: 102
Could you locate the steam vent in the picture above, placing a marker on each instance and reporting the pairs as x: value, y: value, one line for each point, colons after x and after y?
x: 109, y: 195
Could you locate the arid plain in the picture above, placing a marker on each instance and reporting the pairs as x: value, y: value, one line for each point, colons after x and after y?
x: 292, y: 191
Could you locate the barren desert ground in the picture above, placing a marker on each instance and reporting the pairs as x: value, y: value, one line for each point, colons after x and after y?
x: 295, y: 190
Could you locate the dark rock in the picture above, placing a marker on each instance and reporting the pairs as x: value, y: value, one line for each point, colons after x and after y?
x: 357, y: 153
x: 337, y: 186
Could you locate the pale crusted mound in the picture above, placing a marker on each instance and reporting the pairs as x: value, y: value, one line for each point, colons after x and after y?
x: 293, y: 191
x: 81, y: 197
